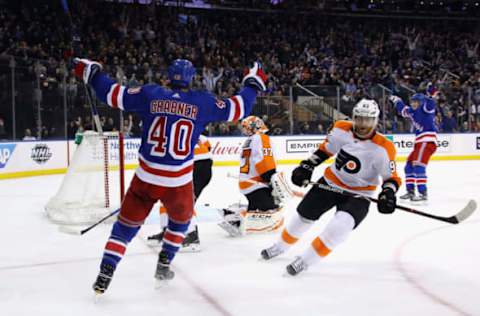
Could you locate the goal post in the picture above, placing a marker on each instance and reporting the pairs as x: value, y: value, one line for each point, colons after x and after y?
x: 94, y: 182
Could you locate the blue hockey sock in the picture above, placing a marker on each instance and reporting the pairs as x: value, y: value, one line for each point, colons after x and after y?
x: 410, y: 177
x: 421, y: 179
x: 117, y: 244
x: 173, y: 237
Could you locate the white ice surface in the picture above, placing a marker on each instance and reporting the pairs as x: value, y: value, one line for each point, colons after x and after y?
x: 399, y: 264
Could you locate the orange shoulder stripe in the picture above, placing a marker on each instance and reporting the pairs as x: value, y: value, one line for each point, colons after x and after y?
x: 344, y: 125
x: 265, y: 140
x: 384, y: 142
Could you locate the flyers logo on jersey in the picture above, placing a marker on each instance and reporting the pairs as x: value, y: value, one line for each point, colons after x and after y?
x: 347, y: 162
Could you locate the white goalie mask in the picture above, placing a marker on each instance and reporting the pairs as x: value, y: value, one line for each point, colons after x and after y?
x: 365, y: 118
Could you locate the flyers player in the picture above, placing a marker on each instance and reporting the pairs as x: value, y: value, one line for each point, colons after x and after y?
x: 264, y: 188
x: 172, y: 122
x: 202, y: 174
x: 363, y: 160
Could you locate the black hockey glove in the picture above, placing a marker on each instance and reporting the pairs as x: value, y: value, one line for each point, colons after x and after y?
x: 303, y: 173
x: 387, y: 201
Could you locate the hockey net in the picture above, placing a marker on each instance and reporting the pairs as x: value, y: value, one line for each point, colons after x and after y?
x: 91, y: 188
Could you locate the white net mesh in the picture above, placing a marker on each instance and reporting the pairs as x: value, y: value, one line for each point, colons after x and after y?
x: 91, y: 188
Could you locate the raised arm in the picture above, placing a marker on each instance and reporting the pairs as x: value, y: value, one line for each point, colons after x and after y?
x: 108, y: 90
x: 402, y: 108
x: 238, y: 106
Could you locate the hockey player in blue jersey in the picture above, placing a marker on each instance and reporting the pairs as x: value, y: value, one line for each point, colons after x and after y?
x: 172, y: 122
x: 421, y: 113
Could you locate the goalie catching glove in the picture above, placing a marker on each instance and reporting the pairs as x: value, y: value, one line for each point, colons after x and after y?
x: 256, y: 78
x: 86, y: 69
x: 281, y: 190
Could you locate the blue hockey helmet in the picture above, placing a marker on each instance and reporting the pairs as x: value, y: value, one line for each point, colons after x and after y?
x: 181, y: 73
x: 420, y: 97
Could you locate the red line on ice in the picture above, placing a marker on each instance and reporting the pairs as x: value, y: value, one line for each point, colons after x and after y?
x: 416, y: 283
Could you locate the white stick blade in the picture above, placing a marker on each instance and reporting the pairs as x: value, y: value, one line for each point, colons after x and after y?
x: 467, y: 211
x: 69, y: 230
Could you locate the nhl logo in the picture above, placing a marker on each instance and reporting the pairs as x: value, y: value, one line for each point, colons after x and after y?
x: 41, y: 153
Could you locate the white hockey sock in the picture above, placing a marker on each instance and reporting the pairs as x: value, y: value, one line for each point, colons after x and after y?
x: 336, y: 232
x: 295, y: 229
x: 163, y: 220
x: 193, y: 224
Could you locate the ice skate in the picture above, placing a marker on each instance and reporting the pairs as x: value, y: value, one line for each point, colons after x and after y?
x: 271, y: 252
x: 421, y: 197
x: 297, y: 266
x: 103, y: 279
x: 191, y: 243
x: 163, y: 272
x: 410, y: 195
x: 156, y: 240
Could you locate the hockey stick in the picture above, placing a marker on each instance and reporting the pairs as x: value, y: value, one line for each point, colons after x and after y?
x: 462, y: 215
x: 75, y: 43
x: 74, y: 231
x: 233, y: 176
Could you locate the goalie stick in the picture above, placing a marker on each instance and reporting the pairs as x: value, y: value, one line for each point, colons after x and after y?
x: 75, y: 231
x: 462, y: 215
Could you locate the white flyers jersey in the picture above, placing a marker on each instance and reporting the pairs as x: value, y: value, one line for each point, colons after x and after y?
x: 202, y: 149
x: 359, y: 165
x: 257, y: 158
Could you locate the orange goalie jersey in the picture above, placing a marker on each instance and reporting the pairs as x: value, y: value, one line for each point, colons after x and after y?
x: 257, y: 158
x: 359, y: 164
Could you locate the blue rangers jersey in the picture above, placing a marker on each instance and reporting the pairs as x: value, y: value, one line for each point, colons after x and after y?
x: 423, y: 119
x: 172, y: 122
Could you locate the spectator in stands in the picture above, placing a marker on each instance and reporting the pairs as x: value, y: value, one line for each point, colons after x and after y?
x: 209, y: 79
x: 3, y: 132
x: 449, y: 123
x: 109, y: 125
x: 28, y: 135
x: 356, y: 53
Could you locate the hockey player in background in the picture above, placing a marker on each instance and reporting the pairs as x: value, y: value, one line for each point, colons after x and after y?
x: 421, y: 112
x: 363, y: 157
x: 264, y: 188
x: 173, y: 120
x: 202, y: 174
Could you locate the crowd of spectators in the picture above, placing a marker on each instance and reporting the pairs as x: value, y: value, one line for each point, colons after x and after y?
x: 136, y: 43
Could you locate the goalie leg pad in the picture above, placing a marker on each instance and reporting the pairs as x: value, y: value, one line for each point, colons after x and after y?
x: 261, y: 222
